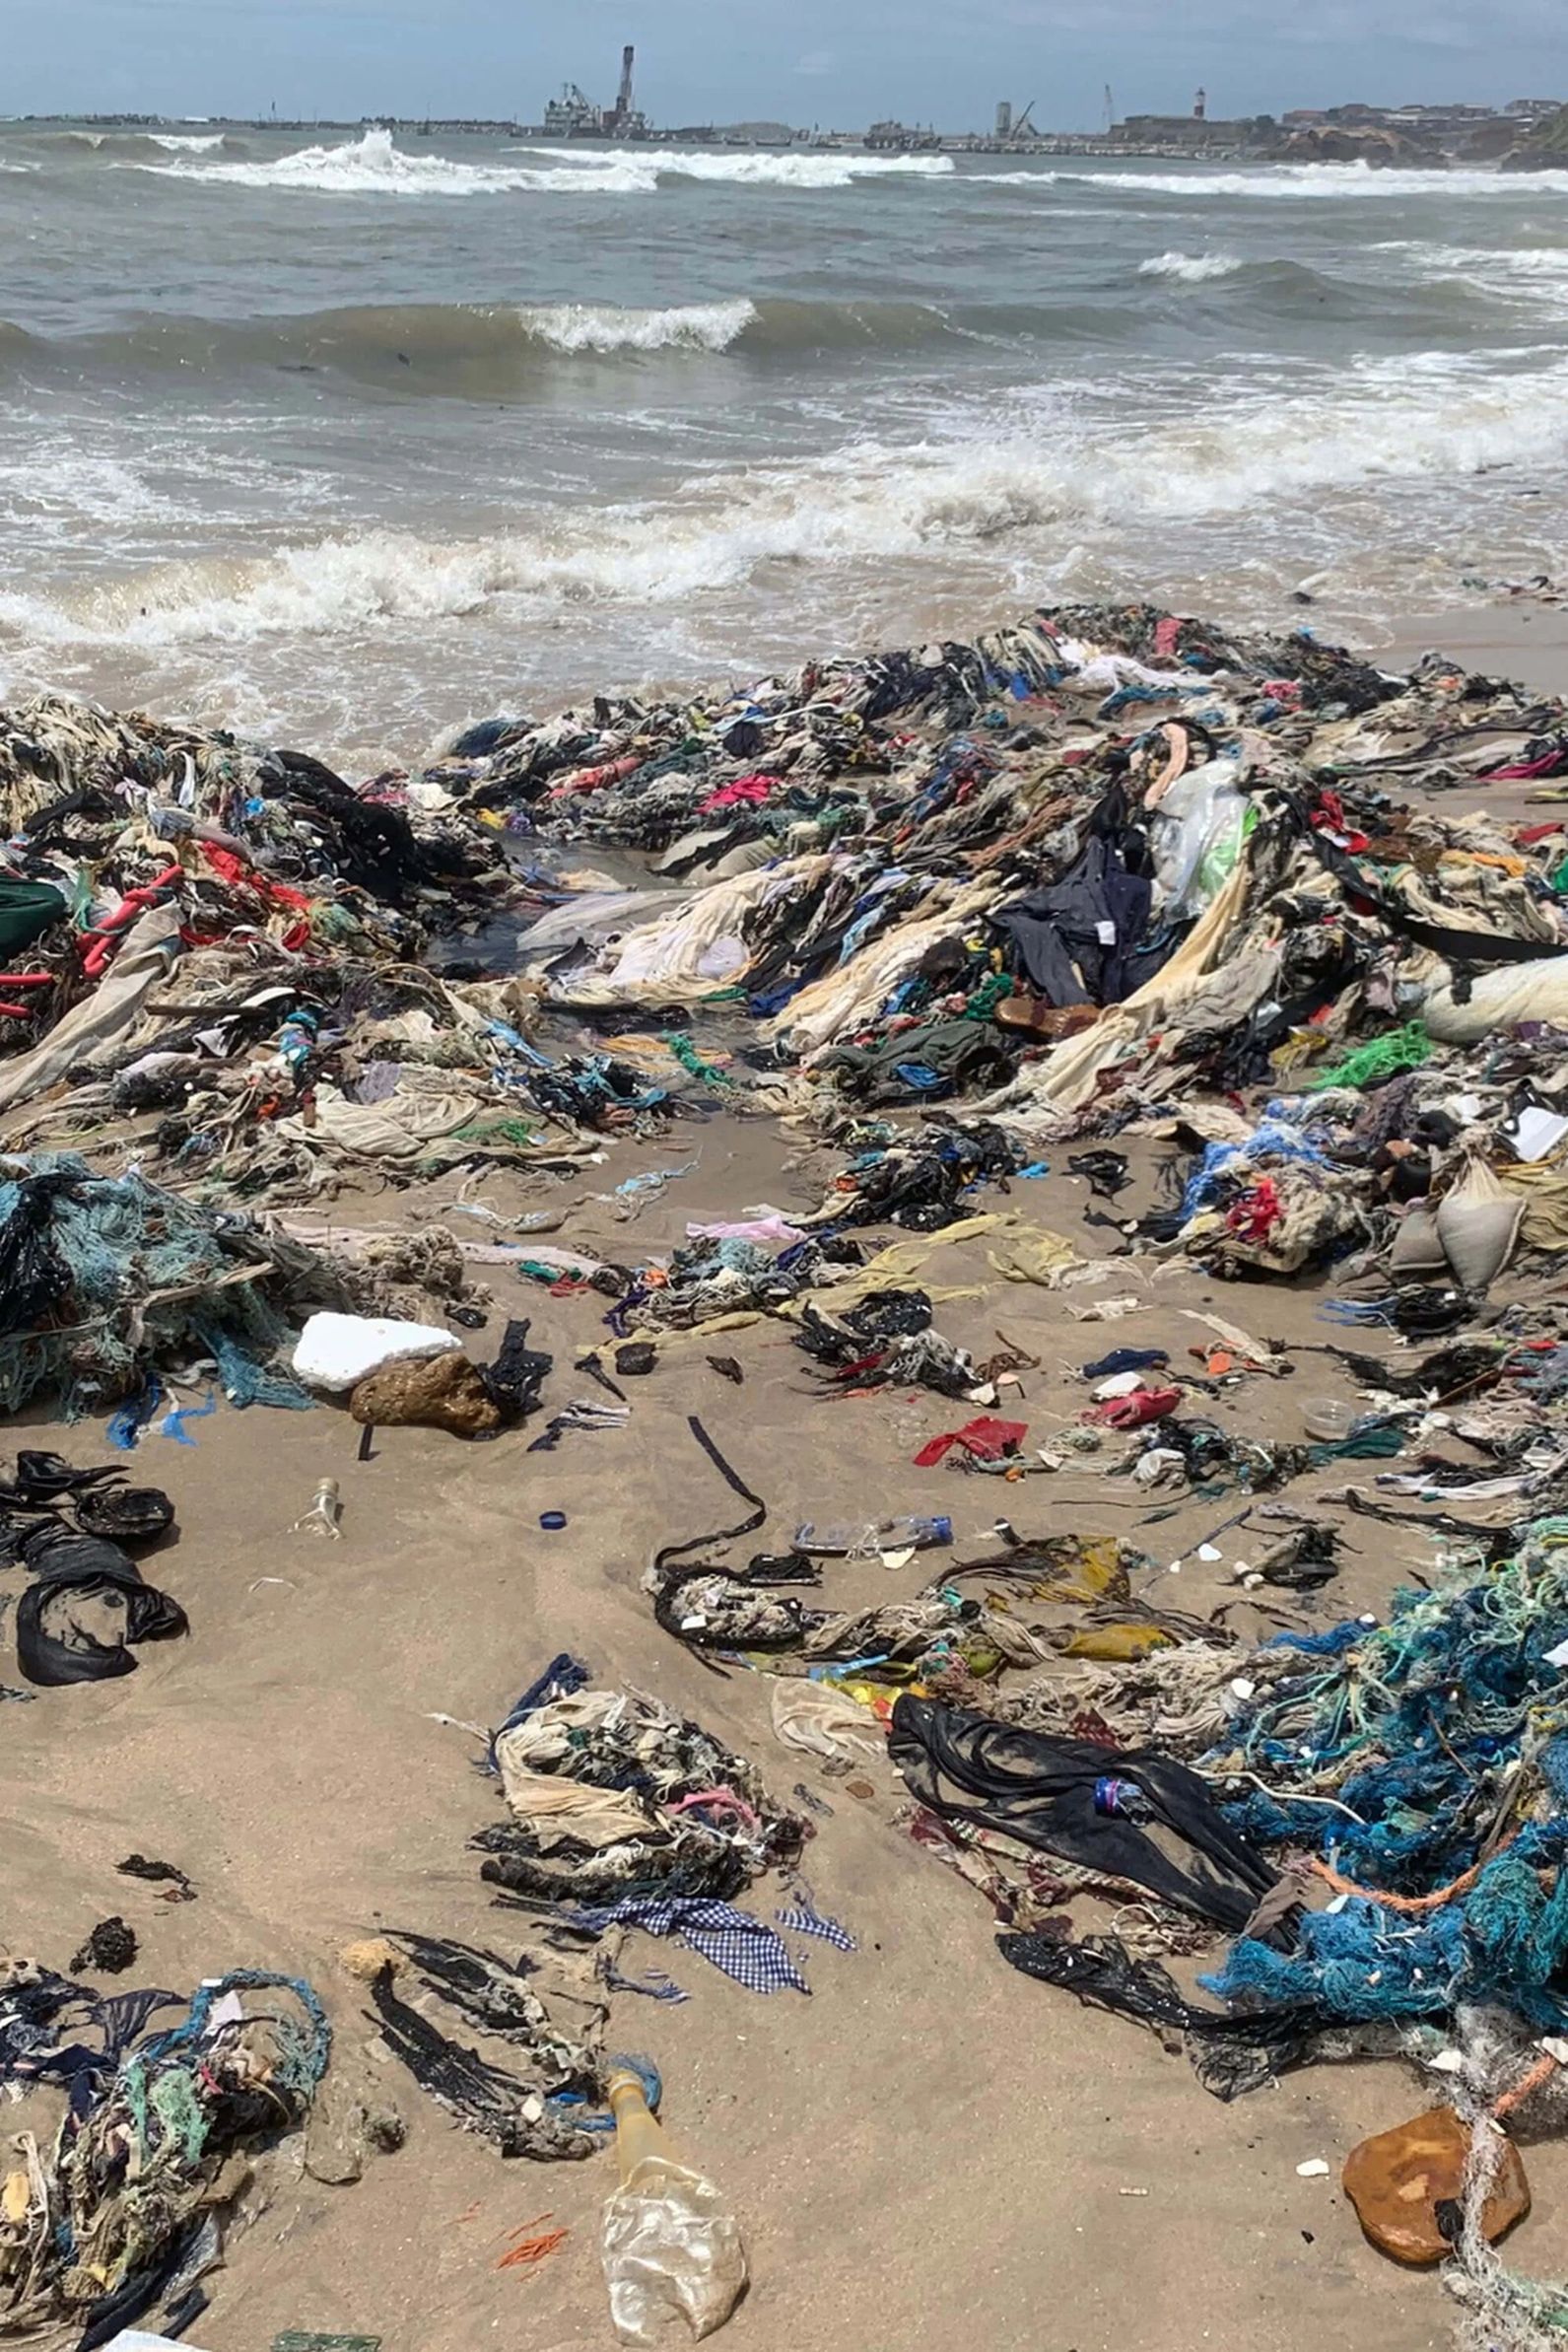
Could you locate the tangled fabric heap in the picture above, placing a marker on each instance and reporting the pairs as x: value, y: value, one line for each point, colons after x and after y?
x: 115, y: 2215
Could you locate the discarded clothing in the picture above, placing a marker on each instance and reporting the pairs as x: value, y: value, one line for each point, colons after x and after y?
x: 1072, y: 1799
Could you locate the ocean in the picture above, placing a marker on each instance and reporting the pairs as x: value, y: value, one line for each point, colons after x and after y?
x: 346, y: 439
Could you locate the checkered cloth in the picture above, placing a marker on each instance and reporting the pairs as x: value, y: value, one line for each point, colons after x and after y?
x: 746, y: 1949
x: 802, y: 1919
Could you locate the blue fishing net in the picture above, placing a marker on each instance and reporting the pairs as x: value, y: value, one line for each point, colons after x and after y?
x: 102, y: 1277
x: 1427, y: 1759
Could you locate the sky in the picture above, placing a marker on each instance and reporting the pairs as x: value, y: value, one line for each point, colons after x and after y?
x: 838, y: 63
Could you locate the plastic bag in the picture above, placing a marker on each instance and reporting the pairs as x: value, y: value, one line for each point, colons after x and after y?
x: 672, y: 2251
x: 1196, y: 836
x: 1477, y: 1224
x: 1497, y: 999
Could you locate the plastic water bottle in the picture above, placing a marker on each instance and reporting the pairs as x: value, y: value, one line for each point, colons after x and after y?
x: 864, y: 1539
x: 671, y: 2247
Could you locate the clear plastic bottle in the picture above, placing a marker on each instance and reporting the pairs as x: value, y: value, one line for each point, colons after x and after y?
x: 671, y: 2247
x: 864, y: 1539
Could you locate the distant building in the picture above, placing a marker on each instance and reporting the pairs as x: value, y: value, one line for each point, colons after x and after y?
x: 1004, y: 118
x: 1178, y: 130
x: 755, y: 134
x: 898, y: 139
x: 573, y: 115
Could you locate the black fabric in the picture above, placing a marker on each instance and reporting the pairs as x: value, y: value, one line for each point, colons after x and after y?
x: 515, y: 1380
x: 1456, y: 948
x: 1042, y: 1789
x: 91, y: 1569
x: 131, y: 1515
x: 1228, y: 2055
x: 1055, y: 929
x: 44, y: 1477
x: 736, y: 1485
x: 961, y: 1054
x: 34, y: 1277
x: 891, y: 1315
x: 374, y: 846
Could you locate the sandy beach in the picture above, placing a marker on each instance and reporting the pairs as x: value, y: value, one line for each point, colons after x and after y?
x: 931, y: 2147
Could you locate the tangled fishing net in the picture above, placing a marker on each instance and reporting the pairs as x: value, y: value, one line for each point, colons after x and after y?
x: 100, y: 1277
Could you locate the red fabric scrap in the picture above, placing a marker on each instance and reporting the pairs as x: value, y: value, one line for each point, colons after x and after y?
x: 746, y: 790
x: 1143, y: 1406
x: 985, y: 1439
x: 1166, y: 633
x: 1330, y: 817
x: 239, y: 875
x: 1256, y: 1214
x: 594, y: 779
x: 1520, y: 771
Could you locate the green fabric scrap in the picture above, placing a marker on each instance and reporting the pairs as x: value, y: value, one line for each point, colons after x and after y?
x: 1383, y: 1058
x: 27, y: 908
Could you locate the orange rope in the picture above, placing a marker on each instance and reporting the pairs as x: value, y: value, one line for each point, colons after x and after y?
x: 1399, y: 1902
x: 1541, y: 2072
x: 527, y: 2252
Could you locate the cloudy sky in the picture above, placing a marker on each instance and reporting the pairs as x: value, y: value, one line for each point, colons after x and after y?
x: 837, y: 62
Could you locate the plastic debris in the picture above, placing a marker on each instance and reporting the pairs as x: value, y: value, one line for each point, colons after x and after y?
x: 326, y: 1515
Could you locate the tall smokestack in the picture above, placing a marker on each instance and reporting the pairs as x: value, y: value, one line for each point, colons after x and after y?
x: 623, y: 105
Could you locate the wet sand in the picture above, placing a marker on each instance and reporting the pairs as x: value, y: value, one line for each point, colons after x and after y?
x: 930, y: 2148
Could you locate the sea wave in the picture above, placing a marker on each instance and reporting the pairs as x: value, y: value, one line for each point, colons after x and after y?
x: 374, y: 165
x: 484, y: 351
x: 603, y: 329
x: 1191, y: 268
x: 197, y: 143
x: 991, y: 489
x: 1338, y: 182
x: 792, y: 168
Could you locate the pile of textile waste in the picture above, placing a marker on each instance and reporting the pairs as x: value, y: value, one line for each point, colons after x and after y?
x: 118, y: 2212
x: 621, y: 1817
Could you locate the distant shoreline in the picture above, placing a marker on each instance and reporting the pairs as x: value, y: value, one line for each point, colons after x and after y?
x: 1084, y: 146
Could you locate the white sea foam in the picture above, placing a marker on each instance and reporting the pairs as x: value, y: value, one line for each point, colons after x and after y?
x: 800, y: 170
x: 1191, y: 268
x: 196, y: 143
x: 1393, y: 421
x: 795, y: 167
x: 372, y: 166
x: 589, y: 327
x: 1338, y: 182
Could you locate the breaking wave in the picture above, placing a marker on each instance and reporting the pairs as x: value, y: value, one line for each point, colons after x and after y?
x: 743, y: 167
x: 572, y: 328
x: 372, y: 165
x: 1191, y: 268
x: 197, y: 143
x: 864, y: 503
x: 1335, y: 182
x: 485, y: 351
